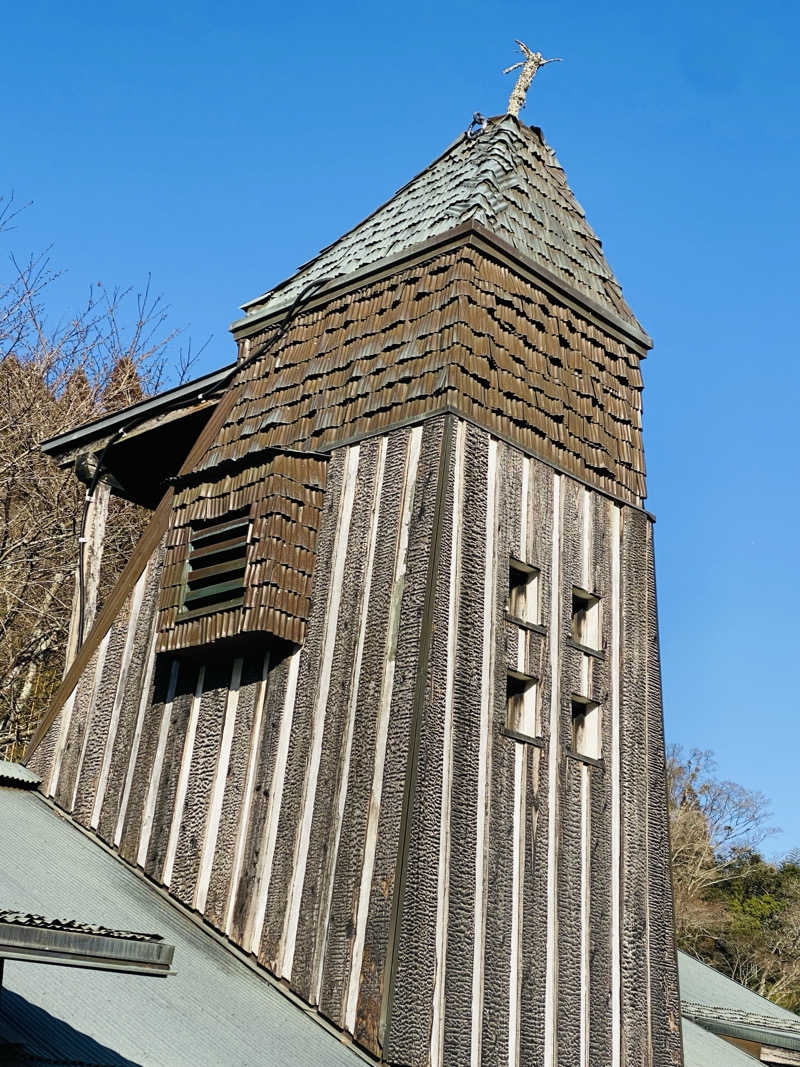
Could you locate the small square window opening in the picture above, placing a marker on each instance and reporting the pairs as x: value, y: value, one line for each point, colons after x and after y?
x: 521, y: 703
x: 523, y: 591
x: 585, y: 619
x: 586, y: 729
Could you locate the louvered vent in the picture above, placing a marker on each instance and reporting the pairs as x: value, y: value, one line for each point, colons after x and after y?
x: 215, y: 569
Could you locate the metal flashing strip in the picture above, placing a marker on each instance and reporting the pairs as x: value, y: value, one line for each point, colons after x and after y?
x: 112, y: 951
x: 473, y: 234
x: 188, y: 391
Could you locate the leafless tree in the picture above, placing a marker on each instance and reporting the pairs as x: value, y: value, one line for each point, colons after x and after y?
x: 53, y: 376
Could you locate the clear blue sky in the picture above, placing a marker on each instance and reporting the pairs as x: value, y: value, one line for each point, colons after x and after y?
x: 219, y: 146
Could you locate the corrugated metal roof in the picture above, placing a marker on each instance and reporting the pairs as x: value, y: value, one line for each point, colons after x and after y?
x: 506, y: 178
x: 701, y: 1049
x: 215, y: 1009
x: 702, y: 985
x: 16, y: 776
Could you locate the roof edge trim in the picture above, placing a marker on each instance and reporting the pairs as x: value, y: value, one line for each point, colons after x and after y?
x: 467, y: 233
x: 152, y: 405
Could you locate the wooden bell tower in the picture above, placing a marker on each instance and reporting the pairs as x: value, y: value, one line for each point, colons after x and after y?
x: 381, y: 696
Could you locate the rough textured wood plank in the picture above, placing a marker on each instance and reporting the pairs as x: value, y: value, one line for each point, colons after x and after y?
x: 601, y: 811
x: 633, y: 754
x: 335, y: 759
x: 67, y: 769
x: 98, y: 735
x: 466, y: 746
x: 133, y: 683
x: 140, y: 782
x: 347, y: 876
x: 219, y: 884
x: 262, y: 786
x: 573, y: 666
x: 170, y: 771
x: 204, y: 762
x: 373, y: 968
x: 293, y: 785
x: 408, y: 1011
x: 534, y: 912
x: 501, y: 841
x: 665, y: 999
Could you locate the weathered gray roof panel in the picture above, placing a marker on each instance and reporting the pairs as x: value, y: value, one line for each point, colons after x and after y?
x: 215, y: 1009
x: 507, y: 178
x: 701, y: 1049
x: 17, y: 776
x: 702, y: 985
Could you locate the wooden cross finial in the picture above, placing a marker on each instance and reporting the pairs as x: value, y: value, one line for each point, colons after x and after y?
x: 530, y: 64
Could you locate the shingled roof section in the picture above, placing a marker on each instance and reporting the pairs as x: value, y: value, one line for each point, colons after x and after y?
x: 505, y: 177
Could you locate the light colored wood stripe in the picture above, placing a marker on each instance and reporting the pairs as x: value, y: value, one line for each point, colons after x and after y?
x: 255, y: 918
x: 484, y: 759
x: 339, y: 557
x: 158, y: 762
x: 247, y: 802
x: 144, y: 702
x: 520, y: 812
x: 443, y: 883
x: 616, y: 798
x: 119, y: 694
x: 382, y: 724
x: 218, y: 788
x: 183, y: 778
x: 341, y: 797
x: 551, y: 977
x: 98, y: 674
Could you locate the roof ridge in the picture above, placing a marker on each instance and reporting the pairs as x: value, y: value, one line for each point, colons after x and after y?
x: 505, y: 176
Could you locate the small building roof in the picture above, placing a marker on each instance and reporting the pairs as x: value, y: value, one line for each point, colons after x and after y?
x: 719, y: 1006
x: 214, y: 1009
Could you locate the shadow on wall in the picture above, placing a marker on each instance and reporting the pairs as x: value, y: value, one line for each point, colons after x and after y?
x: 30, y: 1035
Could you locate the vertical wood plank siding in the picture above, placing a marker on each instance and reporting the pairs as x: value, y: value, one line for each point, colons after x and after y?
x: 270, y: 788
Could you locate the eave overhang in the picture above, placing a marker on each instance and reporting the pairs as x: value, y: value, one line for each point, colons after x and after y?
x: 470, y: 234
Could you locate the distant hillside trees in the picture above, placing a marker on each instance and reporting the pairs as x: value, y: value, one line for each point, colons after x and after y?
x: 733, y: 909
x: 55, y: 375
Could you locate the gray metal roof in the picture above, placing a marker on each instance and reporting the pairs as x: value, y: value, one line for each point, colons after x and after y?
x: 701, y: 1049
x: 215, y: 1009
x: 15, y: 775
x: 702, y: 985
x: 507, y: 178
x: 713, y: 1004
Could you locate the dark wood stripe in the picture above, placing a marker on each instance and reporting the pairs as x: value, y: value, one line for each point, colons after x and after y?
x: 222, y: 868
x: 411, y: 949
x: 466, y: 747
x: 145, y: 756
x: 131, y: 697
x: 313, y: 919
x: 293, y: 785
x: 98, y: 731
x: 263, y: 784
x: 170, y: 770
x: 207, y: 741
x: 633, y: 755
x: 412, y: 611
x: 534, y: 896
x: 349, y: 861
